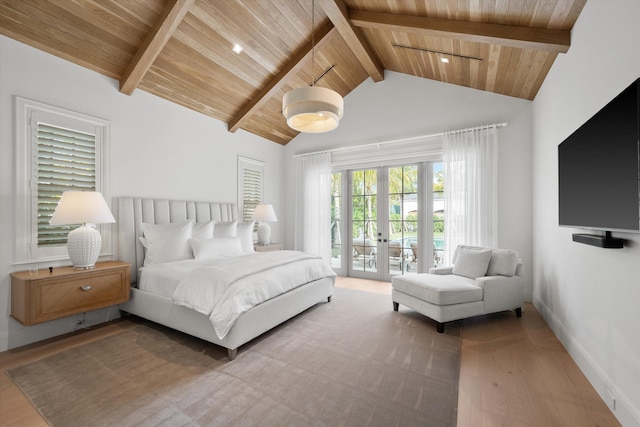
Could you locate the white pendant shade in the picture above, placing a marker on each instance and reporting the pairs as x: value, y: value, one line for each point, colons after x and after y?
x: 313, y: 109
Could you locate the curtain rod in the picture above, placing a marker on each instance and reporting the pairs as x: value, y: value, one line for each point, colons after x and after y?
x: 413, y: 138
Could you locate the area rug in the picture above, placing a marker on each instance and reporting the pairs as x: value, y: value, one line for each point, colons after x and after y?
x: 350, y: 362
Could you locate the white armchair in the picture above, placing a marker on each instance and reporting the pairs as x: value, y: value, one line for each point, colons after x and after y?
x: 481, y: 281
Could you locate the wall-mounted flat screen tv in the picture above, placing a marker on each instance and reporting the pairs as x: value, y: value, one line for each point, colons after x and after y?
x: 599, y: 168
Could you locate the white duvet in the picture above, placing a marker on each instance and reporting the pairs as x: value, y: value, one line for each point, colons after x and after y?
x: 224, y: 288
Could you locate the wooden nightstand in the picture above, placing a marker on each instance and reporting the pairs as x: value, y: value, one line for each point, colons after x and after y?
x: 37, y: 298
x: 268, y: 248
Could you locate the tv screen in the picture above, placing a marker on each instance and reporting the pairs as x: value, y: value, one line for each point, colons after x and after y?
x: 599, y: 168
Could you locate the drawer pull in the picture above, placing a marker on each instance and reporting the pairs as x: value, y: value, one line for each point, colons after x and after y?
x: 85, y: 287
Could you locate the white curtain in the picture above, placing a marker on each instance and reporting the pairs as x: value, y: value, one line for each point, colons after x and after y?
x: 312, y: 232
x: 471, y: 189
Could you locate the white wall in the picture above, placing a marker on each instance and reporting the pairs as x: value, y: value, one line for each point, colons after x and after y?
x: 158, y: 149
x: 588, y: 295
x: 403, y: 106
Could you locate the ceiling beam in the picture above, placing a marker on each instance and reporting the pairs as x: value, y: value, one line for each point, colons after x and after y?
x: 338, y: 14
x: 498, y: 34
x: 162, y: 31
x: 275, y: 84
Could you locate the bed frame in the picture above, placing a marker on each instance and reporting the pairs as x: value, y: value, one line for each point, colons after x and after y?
x: 132, y: 212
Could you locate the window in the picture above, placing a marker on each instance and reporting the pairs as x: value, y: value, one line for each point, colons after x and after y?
x: 250, y: 186
x: 57, y: 150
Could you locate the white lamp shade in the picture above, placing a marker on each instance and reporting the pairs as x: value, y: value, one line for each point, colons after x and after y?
x: 312, y: 109
x: 81, y: 207
x: 265, y: 213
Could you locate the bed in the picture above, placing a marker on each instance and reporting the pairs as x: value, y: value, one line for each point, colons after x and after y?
x: 137, y: 215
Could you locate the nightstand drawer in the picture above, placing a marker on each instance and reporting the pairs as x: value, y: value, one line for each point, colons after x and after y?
x: 66, y: 291
x: 53, y: 298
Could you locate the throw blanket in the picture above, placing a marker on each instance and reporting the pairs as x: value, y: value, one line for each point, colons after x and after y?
x: 223, y: 289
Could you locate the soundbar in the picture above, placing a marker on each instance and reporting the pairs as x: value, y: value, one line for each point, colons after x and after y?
x: 600, y: 241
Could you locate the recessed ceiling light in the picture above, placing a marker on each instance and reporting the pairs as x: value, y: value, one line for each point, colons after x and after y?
x: 445, y: 60
x: 237, y: 48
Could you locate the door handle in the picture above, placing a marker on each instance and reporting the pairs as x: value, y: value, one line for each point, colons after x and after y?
x: 85, y: 287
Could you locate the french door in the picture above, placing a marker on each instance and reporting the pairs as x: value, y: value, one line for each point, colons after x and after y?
x: 386, y: 230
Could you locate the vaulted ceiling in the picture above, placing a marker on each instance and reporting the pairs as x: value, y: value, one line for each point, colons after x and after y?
x: 180, y: 50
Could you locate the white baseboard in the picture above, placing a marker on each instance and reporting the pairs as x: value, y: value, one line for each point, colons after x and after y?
x: 627, y: 414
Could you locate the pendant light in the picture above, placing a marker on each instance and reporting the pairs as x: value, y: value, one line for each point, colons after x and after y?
x: 312, y: 109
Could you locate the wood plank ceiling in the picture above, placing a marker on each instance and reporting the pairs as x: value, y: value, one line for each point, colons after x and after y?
x: 180, y: 50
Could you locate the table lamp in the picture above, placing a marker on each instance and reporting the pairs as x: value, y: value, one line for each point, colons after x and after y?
x: 264, y: 214
x: 87, y: 208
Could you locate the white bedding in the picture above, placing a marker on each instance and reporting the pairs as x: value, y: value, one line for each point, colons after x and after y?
x: 224, y: 288
x: 162, y: 279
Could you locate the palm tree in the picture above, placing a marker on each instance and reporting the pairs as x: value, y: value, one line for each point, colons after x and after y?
x: 403, y: 179
x: 438, y: 182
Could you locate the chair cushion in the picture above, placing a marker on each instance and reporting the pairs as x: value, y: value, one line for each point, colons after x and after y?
x: 438, y: 289
x: 503, y: 262
x: 462, y: 248
x: 472, y: 263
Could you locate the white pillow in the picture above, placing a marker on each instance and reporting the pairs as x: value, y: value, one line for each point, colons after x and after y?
x: 225, y: 229
x: 203, y: 230
x: 462, y: 248
x: 472, y: 263
x: 216, y: 247
x: 245, y: 233
x: 503, y: 262
x: 166, y: 242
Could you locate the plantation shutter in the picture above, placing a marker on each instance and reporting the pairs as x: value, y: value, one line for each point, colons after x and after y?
x: 250, y: 186
x: 251, y: 191
x: 66, y: 160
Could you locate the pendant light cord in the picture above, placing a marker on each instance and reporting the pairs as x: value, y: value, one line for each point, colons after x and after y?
x: 313, y: 40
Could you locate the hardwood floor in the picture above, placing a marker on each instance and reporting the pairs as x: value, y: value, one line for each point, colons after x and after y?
x: 514, y: 372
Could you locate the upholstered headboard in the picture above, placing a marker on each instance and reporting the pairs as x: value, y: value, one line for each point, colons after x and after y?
x: 133, y: 211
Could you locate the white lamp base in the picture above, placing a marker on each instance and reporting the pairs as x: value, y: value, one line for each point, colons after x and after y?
x: 84, y: 244
x: 264, y: 233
